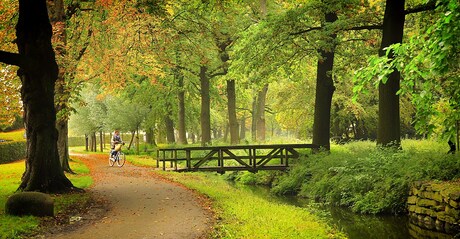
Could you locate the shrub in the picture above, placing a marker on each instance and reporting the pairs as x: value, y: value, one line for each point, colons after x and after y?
x: 12, y: 151
x: 369, y: 180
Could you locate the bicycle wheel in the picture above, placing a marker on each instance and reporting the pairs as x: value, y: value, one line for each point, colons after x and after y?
x: 111, y: 162
x: 121, y: 159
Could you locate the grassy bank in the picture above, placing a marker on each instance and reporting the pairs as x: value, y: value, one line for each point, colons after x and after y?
x: 244, y: 215
x: 10, y: 178
x: 363, y: 178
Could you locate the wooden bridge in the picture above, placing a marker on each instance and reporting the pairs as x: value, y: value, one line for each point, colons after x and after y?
x: 231, y: 158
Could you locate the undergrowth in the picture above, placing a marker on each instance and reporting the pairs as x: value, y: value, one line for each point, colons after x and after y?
x: 367, y: 179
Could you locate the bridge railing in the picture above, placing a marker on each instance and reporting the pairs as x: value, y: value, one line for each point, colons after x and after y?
x: 231, y: 158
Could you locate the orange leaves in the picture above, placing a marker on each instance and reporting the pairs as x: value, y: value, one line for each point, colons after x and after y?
x: 105, y: 3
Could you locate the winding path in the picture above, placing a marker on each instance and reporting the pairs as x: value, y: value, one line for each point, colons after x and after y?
x: 141, y: 205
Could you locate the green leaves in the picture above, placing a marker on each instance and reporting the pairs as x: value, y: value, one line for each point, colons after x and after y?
x: 429, y: 66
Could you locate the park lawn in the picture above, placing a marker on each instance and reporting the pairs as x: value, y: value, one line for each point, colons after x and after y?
x: 10, y: 178
x: 17, y: 135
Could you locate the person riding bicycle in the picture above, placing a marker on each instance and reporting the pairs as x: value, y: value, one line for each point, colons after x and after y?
x: 115, y: 143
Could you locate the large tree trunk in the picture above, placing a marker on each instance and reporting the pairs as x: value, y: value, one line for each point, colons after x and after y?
x: 261, y: 129
x: 181, y: 124
x: 389, y: 130
x: 59, y: 39
x: 205, y: 116
x: 324, y: 91
x: 233, y: 122
x: 38, y: 76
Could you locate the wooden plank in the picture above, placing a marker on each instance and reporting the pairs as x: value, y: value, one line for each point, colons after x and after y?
x: 268, y: 157
x: 206, y: 158
x: 237, y: 158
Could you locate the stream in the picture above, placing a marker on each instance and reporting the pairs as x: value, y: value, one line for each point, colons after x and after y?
x: 355, y: 226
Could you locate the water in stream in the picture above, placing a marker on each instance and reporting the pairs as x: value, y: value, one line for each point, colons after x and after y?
x: 356, y: 226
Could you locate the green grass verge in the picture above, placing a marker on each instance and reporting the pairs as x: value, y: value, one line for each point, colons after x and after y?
x: 244, y: 215
x: 10, y: 178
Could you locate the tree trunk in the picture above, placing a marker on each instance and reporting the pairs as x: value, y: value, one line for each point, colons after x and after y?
x: 181, y: 123
x: 137, y: 142
x: 63, y: 145
x: 93, y: 142
x: 38, y: 76
x: 260, y: 120
x: 232, y: 121
x: 59, y: 39
x: 161, y: 139
x: 86, y: 142
x: 205, y: 116
x: 389, y: 130
x: 150, y: 136
x: 169, y: 124
x: 101, y: 141
x: 133, y: 134
x: 324, y: 91
x: 254, y: 119
x: 243, y: 128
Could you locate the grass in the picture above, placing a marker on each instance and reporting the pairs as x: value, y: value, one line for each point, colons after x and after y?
x: 10, y: 178
x: 244, y: 215
x: 17, y: 135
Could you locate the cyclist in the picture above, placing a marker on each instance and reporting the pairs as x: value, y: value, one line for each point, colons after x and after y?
x: 114, y: 144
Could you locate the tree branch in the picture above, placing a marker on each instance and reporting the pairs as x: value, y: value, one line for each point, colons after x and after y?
x: 305, y: 31
x: 218, y: 74
x: 370, y: 27
x: 357, y: 28
x: 431, y: 5
x: 85, y: 46
x: 187, y: 69
x: 12, y: 58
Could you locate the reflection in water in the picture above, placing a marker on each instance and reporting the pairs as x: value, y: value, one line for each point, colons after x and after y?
x: 356, y: 226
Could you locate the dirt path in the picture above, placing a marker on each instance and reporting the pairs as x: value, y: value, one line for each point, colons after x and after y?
x: 141, y: 205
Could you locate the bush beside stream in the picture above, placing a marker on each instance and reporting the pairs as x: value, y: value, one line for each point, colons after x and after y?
x: 361, y: 177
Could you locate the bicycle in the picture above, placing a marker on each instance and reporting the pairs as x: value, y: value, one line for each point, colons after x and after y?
x: 119, y: 156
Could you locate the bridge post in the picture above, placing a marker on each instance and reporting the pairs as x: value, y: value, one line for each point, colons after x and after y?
x: 188, y: 157
x: 158, y: 158
x: 254, y: 158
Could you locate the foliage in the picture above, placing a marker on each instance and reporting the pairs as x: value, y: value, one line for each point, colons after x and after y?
x: 12, y: 151
x: 14, y: 148
x: 10, y: 105
x: 369, y: 180
x: 243, y: 215
x: 428, y: 62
